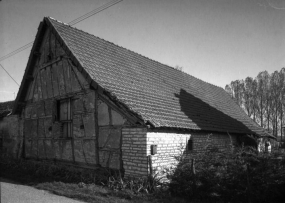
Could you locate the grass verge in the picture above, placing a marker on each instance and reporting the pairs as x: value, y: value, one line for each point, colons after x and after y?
x: 79, y: 185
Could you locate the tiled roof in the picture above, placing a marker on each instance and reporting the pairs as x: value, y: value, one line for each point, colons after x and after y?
x: 6, y: 108
x: 159, y: 94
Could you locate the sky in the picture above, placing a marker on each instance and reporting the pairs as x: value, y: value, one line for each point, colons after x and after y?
x: 217, y: 41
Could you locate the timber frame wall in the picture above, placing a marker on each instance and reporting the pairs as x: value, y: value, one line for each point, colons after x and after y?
x: 64, y: 118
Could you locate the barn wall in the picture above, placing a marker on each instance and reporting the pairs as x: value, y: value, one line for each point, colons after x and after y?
x: 221, y: 141
x: 45, y: 139
x: 59, y: 90
x: 44, y: 134
x: 137, y: 142
x: 171, y: 145
x: 134, y: 152
x: 89, y: 134
x: 110, y: 124
x: 11, y: 135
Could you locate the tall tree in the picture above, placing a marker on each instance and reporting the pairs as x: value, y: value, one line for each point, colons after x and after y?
x: 262, y: 81
x: 275, y: 92
x: 254, y: 99
x: 248, y: 96
x: 237, y: 91
x: 229, y: 90
x: 262, y: 98
x: 282, y: 100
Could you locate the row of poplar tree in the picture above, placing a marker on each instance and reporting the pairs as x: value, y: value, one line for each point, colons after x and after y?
x: 263, y: 99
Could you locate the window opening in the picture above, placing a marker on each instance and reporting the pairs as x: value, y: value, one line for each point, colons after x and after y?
x: 190, y: 145
x: 64, y: 116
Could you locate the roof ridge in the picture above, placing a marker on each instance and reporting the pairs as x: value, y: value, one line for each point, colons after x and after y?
x: 135, y: 52
x: 57, y: 20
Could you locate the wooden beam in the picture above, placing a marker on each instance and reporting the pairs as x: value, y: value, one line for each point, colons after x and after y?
x: 36, y: 53
x: 50, y: 63
x: 96, y: 129
x: 121, y: 109
x: 29, y: 77
x: 22, y: 103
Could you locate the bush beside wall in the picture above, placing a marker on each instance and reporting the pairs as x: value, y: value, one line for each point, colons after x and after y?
x: 241, y: 175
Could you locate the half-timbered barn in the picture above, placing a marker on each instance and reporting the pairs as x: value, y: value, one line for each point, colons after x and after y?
x: 88, y: 102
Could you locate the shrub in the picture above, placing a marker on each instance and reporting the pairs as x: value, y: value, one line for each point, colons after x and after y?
x: 240, y: 175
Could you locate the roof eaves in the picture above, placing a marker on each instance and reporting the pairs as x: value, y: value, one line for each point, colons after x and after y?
x: 122, y: 105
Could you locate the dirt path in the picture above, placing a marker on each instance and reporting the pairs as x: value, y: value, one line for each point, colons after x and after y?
x: 16, y: 193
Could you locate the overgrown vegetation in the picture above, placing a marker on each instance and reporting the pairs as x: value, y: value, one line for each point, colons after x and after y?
x: 99, y: 185
x: 233, y: 175
x: 241, y: 175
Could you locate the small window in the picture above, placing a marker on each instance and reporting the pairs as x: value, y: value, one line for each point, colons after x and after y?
x: 64, y: 116
x: 190, y: 145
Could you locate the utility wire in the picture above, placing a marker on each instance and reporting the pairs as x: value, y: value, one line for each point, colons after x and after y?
x: 16, y: 51
x: 9, y: 75
x: 93, y: 12
x: 75, y: 21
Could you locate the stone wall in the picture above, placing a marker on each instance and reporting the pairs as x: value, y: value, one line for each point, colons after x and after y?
x: 137, y: 142
x: 221, y: 141
x: 172, y: 145
x: 134, y: 154
x: 169, y: 146
x: 11, y: 135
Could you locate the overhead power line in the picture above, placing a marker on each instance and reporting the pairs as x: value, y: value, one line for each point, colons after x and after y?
x: 95, y: 11
x: 16, y: 51
x: 73, y: 22
x: 9, y: 75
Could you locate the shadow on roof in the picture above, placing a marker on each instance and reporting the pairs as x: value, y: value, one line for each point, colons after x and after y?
x: 207, y: 117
